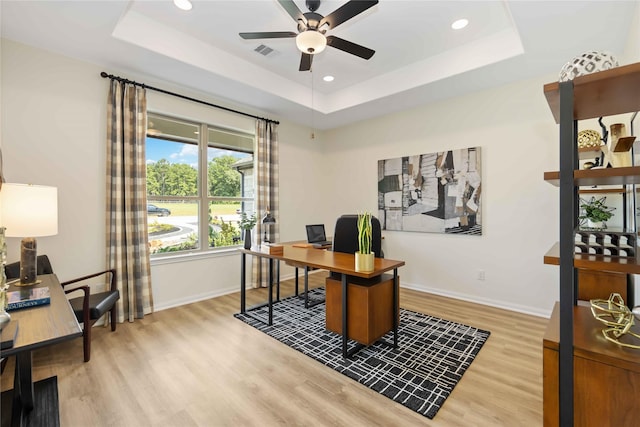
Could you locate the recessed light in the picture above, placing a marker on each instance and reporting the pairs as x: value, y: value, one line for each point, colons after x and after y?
x: 183, y: 4
x: 328, y: 78
x: 460, y: 24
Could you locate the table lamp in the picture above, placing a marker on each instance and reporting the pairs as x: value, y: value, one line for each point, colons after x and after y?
x: 267, y: 221
x: 29, y: 210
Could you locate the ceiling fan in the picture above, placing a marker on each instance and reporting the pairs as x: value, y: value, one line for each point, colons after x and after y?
x: 310, y: 37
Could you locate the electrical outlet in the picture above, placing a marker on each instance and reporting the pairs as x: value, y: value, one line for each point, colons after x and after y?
x: 480, y: 274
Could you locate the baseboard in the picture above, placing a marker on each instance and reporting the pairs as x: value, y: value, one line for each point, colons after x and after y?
x: 420, y: 288
x: 214, y: 294
x: 194, y: 298
x: 476, y: 300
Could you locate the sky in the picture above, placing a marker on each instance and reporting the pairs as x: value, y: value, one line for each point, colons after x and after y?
x: 177, y: 152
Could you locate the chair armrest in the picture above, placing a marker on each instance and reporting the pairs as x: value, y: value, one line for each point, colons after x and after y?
x: 90, y: 276
x: 85, y: 301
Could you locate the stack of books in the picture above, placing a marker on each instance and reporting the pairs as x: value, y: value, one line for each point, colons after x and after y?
x: 272, y: 249
x: 28, y: 297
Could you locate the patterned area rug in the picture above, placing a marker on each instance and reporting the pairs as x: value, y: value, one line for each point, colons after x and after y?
x: 431, y: 357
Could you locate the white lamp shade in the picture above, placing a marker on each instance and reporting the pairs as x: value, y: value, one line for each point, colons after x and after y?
x: 29, y: 210
x: 311, y: 42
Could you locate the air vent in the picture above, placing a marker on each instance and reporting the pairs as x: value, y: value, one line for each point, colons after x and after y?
x: 264, y: 50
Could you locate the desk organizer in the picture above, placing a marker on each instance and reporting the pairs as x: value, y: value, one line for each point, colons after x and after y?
x: 606, y: 242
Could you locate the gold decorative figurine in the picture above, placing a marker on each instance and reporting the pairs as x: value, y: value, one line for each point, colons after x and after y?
x: 618, y: 318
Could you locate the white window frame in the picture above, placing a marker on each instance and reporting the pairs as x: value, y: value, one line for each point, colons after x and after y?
x: 203, y: 198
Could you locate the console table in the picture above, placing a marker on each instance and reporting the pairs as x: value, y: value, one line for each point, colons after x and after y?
x: 338, y: 262
x: 38, y: 327
x: 606, y: 376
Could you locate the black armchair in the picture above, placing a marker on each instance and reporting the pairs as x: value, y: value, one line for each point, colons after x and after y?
x: 88, y: 308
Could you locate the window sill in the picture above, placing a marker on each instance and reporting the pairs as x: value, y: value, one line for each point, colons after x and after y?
x: 193, y: 256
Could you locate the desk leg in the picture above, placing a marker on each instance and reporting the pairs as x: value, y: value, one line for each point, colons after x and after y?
x: 25, y: 380
x: 243, y: 282
x: 22, y: 388
x: 306, y: 286
x: 396, y: 309
x: 270, y: 291
x: 345, y: 332
x: 278, y: 280
x: 296, y: 281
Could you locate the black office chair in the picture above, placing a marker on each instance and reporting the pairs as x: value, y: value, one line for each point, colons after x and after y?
x: 345, y: 239
x: 88, y: 308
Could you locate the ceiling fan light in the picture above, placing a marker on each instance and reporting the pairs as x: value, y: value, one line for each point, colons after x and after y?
x: 311, y: 42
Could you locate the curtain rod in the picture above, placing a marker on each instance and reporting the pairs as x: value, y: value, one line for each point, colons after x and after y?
x: 120, y: 79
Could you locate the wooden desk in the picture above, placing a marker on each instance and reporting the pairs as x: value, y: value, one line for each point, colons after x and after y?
x: 338, y: 262
x: 38, y: 327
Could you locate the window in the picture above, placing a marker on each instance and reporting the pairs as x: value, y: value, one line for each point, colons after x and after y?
x: 199, y: 180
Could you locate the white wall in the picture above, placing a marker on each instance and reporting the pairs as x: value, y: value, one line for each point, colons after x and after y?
x: 519, y: 141
x: 53, y: 133
x: 632, y: 50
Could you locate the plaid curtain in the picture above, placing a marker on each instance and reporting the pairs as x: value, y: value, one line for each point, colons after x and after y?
x: 267, y: 197
x: 127, y: 247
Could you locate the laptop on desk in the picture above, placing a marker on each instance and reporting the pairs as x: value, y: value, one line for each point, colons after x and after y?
x: 317, y: 236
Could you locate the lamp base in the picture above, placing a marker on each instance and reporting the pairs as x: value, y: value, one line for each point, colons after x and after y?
x: 28, y: 262
x: 35, y: 282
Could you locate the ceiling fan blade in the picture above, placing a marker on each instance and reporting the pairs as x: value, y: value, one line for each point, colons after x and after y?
x: 346, y: 12
x: 268, y: 35
x: 349, y: 47
x: 305, y: 62
x: 293, y: 10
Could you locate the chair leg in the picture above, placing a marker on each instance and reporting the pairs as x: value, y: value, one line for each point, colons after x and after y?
x: 86, y: 337
x: 113, y: 318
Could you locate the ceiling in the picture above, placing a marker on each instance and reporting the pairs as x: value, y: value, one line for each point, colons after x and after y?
x: 419, y: 58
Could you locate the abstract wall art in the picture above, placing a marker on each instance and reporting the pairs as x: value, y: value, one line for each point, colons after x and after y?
x: 433, y: 193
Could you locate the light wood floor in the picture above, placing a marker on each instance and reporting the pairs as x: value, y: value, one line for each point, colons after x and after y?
x: 196, y: 365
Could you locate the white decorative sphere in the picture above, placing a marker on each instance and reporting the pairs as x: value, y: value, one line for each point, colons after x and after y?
x: 587, y: 63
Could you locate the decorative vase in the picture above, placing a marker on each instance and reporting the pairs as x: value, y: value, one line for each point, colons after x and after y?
x: 4, y: 316
x: 589, y: 139
x: 247, y: 239
x: 364, y: 262
x: 596, y: 225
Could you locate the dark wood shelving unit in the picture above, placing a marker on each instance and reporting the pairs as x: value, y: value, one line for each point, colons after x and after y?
x: 606, y: 93
x: 596, y: 262
x: 589, y: 177
x: 615, y: 91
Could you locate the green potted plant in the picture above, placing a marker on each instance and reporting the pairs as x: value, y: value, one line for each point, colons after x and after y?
x: 364, y: 256
x: 246, y: 224
x: 595, y: 213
